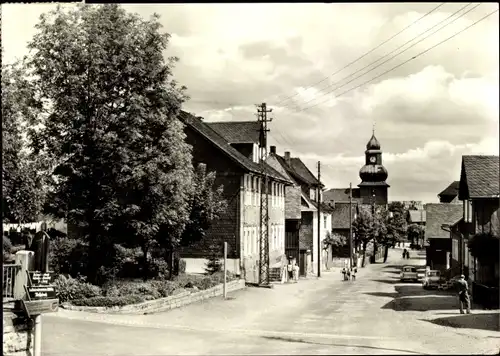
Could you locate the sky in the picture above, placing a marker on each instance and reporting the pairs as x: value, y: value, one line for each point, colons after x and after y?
x: 333, y: 72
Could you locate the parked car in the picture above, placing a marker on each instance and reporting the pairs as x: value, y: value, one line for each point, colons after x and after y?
x: 408, y: 273
x: 432, y: 279
x: 421, y: 274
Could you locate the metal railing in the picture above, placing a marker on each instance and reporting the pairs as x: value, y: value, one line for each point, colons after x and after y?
x: 9, y: 277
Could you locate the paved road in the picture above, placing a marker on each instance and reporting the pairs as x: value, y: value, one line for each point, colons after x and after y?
x: 374, y: 315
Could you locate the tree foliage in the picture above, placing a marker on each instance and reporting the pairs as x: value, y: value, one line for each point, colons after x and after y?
x: 415, y: 232
x: 334, y: 240
x: 363, y: 228
x: 23, y: 190
x: 109, y: 121
x: 206, y: 205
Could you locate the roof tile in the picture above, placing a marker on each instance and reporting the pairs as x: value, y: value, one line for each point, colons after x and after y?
x: 223, y: 145
x: 237, y: 131
x: 439, y: 214
x: 451, y: 190
x: 482, y: 175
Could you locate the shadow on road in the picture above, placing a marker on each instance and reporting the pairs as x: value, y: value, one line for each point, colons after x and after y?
x: 382, y: 294
x: 289, y: 339
x: 486, y: 321
x: 387, y: 281
x: 415, y: 298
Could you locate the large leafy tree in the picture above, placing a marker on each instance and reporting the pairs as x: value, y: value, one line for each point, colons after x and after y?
x: 23, y: 190
x: 363, y: 228
x: 206, y: 205
x: 392, y: 226
x: 110, y: 123
x: 415, y: 233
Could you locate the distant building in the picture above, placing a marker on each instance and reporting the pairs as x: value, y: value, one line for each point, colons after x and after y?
x: 438, y: 250
x: 373, y: 188
x: 450, y: 193
x: 301, y: 211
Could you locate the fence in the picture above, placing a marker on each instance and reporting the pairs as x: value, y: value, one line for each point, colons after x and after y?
x: 9, y: 276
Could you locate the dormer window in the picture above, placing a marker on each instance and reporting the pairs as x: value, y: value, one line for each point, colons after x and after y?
x: 467, y: 211
x: 255, y: 153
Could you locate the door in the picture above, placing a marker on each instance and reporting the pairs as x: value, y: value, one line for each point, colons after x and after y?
x: 302, y: 263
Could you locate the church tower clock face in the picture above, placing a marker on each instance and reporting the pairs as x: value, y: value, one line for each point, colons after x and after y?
x: 373, y: 159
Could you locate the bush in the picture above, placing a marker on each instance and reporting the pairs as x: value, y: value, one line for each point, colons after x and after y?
x: 153, y: 289
x: 158, y: 267
x: 182, y: 266
x: 68, y: 256
x: 7, y: 248
x: 70, y: 289
x: 101, y: 301
x: 214, y: 264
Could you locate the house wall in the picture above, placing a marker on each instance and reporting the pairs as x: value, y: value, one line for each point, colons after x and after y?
x: 292, y: 192
x: 438, y: 254
x: 486, y: 216
x: 228, y: 174
x: 251, y: 230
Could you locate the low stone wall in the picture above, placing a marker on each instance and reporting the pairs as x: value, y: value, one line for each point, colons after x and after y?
x: 163, y: 304
x: 17, y: 335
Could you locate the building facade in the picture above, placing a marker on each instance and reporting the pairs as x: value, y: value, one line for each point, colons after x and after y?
x: 478, y: 232
x: 302, y: 213
x: 237, y: 170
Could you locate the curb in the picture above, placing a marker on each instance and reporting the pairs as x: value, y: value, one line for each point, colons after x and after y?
x: 162, y: 304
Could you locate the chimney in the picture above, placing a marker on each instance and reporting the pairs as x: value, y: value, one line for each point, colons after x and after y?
x: 287, y: 157
x: 273, y: 149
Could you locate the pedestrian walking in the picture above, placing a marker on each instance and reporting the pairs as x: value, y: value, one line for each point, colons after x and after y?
x: 407, y: 255
x: 404, y: 253
x: 353, y: 274
x: 463, y: 295
x: 348, y: 274
x: 344, y: 271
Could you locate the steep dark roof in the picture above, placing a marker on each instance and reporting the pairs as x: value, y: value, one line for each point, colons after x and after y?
x: 340, y: 215
x: 451, y: 190
x: 221, y: 143
x: 298, y: 170
x: 417, y: 216
x: 237, y: 131
x: 479, y: 177
x: 341, y: 195
x: 439, y: 214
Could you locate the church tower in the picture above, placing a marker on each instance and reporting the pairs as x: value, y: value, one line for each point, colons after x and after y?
x: 373, y: 188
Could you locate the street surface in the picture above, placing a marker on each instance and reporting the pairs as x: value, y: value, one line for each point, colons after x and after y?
x: 374, y: 315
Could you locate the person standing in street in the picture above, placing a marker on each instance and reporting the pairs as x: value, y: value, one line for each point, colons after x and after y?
x: 353, y: 274
x: 289, y: 268
x: 296, y: 270
x: 463, y: 294
x: 344, y: 271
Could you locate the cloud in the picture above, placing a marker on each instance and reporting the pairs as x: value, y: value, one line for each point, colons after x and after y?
x: 427, y: 113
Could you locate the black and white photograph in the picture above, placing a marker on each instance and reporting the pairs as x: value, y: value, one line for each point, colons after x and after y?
x: 250, y: 179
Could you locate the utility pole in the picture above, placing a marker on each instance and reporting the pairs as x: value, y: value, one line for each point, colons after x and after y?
x: 318, y: 201
x: 262, y: 112
x: 350, y: 224
x: 373, y: 217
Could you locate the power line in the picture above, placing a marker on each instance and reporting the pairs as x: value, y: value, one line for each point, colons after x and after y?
x: 367, y: 53
x: 397, y: 54
x: 408, y: 60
